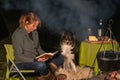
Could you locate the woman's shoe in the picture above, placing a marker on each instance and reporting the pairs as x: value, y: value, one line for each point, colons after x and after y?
x: 53, y: 67
x: 49, y: 76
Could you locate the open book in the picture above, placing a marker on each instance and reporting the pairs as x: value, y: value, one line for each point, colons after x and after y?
x: 48, y: 55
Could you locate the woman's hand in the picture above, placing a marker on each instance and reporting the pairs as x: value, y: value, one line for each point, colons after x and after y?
x: 42, y: 59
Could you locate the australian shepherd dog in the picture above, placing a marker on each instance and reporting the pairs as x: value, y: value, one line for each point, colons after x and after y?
x: 67, y: 45
x: 69, y: 67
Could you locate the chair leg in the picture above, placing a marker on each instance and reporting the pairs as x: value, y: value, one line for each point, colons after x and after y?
x: 18, y: 70
x: 11, y: 67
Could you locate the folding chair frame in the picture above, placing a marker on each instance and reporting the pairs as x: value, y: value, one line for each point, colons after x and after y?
x: 10, y: 59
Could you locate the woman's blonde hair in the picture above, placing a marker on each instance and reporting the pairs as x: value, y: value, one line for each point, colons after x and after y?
x: 28, y: 18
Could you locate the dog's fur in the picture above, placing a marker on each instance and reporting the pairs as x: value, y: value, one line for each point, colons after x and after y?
x: 81, y: 73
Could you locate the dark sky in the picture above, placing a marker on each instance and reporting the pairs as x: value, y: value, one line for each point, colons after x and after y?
x: 72, y: 15
x: 3, y: 28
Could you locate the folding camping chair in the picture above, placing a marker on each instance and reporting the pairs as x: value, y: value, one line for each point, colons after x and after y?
x: 13, y: 68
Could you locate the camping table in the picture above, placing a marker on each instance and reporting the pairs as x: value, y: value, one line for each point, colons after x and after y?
x: 89, y: 50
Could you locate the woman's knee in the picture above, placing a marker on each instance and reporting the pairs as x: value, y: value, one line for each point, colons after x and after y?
x: 42, y: 68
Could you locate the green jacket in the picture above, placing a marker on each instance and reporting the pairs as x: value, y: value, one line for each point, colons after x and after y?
x: 25, y: 49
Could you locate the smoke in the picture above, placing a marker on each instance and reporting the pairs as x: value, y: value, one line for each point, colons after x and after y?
x: 76, y: 16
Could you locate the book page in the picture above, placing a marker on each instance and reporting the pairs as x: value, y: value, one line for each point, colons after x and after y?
x: 47, y: 55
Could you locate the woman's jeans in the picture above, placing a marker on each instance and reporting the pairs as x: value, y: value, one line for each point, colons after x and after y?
x: 41, y: 68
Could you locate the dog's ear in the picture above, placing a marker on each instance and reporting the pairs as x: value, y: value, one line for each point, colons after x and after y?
x: 61, y: 40
x: 74, y: 40
x: 62, y: 34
